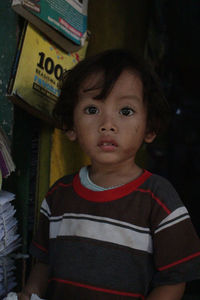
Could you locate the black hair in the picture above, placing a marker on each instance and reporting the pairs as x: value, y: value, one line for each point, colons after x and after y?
x: 111, y: 64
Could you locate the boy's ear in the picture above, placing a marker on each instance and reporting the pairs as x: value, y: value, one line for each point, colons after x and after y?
x: 71, y: 134
x: 149, y: 137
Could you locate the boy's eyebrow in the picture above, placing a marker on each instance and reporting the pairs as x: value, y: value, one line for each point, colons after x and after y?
x: 124, y: 97
x: 130, y: 97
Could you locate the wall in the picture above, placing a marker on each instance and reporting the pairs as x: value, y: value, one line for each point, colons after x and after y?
x: 8, y: 38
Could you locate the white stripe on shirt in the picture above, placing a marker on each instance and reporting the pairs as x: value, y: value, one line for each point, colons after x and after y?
x: 103, y: 229
x: 175, y: 217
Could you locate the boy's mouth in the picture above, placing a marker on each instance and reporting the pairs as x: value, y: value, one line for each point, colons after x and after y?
x: 108, y: 145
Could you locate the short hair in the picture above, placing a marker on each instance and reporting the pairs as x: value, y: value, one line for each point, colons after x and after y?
x: 111, y: 64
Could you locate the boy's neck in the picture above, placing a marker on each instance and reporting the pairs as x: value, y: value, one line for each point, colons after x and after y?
x: 109, y: 176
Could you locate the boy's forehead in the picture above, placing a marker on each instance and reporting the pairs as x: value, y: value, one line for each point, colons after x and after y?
x: 126, y: 82
x: 94, y: 80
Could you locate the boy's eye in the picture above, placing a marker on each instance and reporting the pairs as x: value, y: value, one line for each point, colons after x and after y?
x: 126, y: 111
x: 91, y: 110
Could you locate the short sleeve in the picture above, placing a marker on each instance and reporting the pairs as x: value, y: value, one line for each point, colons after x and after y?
x: 176, y: 244
x: 39, y: 247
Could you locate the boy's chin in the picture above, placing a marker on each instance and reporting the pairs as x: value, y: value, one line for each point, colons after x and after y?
x: 106, y: 161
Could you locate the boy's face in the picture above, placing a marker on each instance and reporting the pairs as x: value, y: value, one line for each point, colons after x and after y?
x: 111, y: 131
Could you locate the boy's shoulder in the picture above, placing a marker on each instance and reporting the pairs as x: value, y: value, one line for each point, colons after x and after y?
x: 156, y: 181
x: 63, y: 181
x: 162, y: 190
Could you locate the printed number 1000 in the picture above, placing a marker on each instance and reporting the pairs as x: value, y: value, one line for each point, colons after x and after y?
x: 48, y: 65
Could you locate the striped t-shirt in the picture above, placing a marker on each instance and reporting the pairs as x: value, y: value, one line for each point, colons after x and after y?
x: 115, y: 244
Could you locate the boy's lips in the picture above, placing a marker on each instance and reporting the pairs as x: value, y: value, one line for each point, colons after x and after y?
x: 107, y: 145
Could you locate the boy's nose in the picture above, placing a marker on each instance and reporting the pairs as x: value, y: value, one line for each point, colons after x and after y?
x: 103, y: 128
x: 108, y: 125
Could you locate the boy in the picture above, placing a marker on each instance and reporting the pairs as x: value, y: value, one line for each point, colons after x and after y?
x: 113, y: 230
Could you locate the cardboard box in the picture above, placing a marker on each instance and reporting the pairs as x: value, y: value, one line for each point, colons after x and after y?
x: 63, y: 21
x: 39, y: 64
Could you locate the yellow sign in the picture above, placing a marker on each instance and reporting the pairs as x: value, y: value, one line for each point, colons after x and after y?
x: 40, y: 67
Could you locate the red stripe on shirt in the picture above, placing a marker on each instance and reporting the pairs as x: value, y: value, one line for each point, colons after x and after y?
x: 179, y: 261
x: 157, y: 200
x: 40, y: 247
x: 97, y: 288
x: 111, y: 194
x: 57, y: 186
